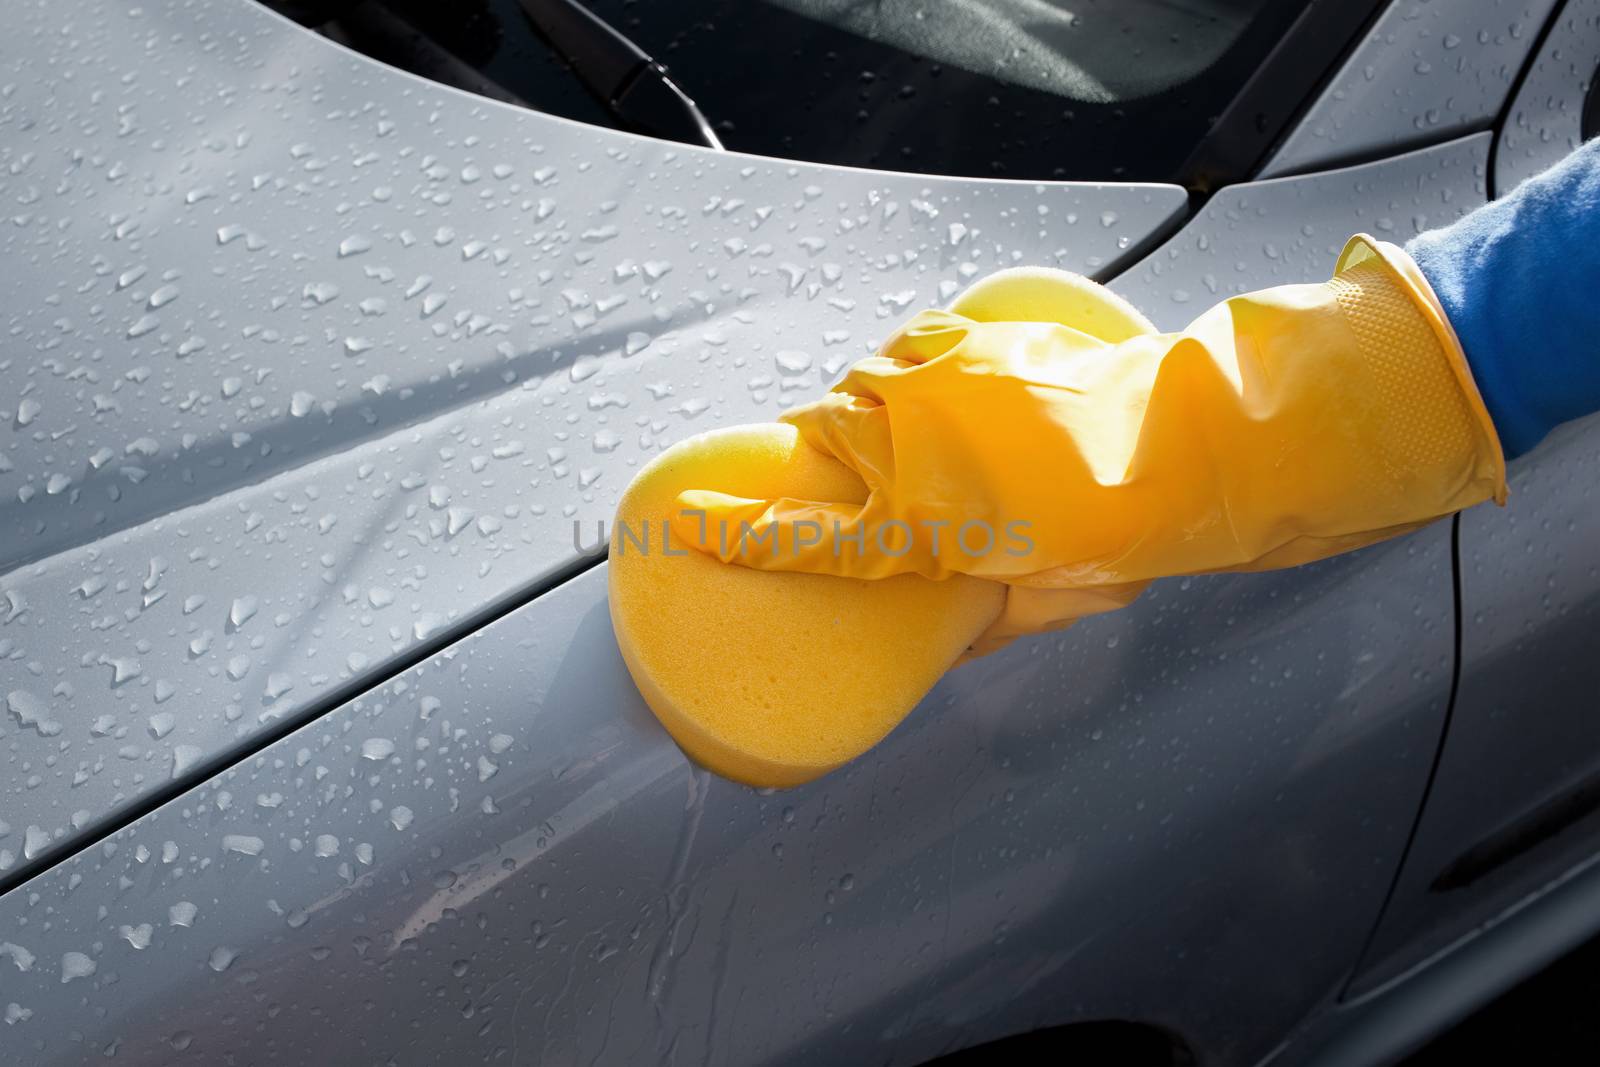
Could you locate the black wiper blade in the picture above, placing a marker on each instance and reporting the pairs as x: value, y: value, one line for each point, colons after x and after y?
x: 635, y: 88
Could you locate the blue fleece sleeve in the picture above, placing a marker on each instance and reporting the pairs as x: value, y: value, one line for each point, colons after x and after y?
x: 1520, y: 280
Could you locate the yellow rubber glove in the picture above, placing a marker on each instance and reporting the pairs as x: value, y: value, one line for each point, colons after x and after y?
x: 1077, y: 464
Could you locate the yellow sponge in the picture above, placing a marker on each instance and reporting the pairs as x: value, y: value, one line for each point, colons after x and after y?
x: 773, y: 679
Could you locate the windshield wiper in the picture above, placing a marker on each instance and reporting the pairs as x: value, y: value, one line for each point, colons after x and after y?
x: 632, y: 85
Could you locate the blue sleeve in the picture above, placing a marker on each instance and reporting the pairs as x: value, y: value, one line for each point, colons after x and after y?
x: 1520, y: 280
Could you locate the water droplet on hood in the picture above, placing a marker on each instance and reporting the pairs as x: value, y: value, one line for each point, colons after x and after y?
x: 377, y: 748
x: 75, y: 965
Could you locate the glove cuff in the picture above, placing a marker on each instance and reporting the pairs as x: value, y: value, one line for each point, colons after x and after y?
x: 1413, y: 350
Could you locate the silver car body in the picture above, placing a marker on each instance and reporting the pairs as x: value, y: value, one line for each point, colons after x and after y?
x: 317, y: 743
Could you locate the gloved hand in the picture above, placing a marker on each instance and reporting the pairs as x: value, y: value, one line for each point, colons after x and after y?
x: 1278, y: 428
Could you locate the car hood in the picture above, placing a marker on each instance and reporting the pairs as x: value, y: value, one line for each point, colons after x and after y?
x: 312, y: 367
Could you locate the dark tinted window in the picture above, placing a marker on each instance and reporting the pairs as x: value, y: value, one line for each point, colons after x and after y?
x: 1086, y: 89
x: 1115, y: 89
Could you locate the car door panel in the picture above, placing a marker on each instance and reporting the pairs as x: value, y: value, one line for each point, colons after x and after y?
x: 499, y: 852
x: 1516, y: 803
x: 1514, y: 806
x: 1546, y: 117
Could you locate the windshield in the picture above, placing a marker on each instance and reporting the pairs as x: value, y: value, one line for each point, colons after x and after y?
x: 1080, y: 89
x: 1082, y: 50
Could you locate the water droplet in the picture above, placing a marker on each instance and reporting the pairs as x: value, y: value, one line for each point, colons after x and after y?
x: 32, y: 711
x: 185, y: 757
x: 791, y: 362
x: 243, y: 610
x: 319, y: 292
x: 19, y: 955
x: 36, y: 840
x: 75, y: 965
x: 244, y: 844
x: 377, y: 748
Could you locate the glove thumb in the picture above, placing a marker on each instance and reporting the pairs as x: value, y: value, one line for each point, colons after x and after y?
x: 793, y: 535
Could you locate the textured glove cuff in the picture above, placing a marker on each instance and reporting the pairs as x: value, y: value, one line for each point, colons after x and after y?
x: 1423, y: 371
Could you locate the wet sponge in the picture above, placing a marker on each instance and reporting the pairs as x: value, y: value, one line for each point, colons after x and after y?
x: 766, y: 678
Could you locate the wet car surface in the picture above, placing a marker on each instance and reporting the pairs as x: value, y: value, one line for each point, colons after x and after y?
x: 318, y: 377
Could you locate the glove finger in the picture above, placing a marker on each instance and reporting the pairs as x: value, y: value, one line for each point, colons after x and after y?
x: 1031, y: 609
x: 988, y: 643
x: 928, y: 335
x: 851, y: 429
x: 794, y: 535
